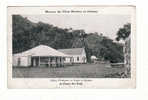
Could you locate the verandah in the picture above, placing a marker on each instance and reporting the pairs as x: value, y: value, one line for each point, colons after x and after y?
x: 48, y: 61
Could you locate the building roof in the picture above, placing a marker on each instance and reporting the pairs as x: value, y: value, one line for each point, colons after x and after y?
x: 72, y: 51
x: 93, y: 57
x: 41, y: 50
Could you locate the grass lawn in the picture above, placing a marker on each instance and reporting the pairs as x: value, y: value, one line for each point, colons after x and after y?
x: 75, y: 71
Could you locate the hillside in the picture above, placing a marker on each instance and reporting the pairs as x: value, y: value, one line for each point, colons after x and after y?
x: 27, y: 34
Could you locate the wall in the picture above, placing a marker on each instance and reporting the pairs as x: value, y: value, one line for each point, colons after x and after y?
x: 23, y: 61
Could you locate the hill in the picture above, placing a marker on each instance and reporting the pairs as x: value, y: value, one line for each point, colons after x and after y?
x: 27, y: 34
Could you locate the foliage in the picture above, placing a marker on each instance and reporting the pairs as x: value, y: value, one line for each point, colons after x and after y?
x: 124, y: 32
x: 27, y: 34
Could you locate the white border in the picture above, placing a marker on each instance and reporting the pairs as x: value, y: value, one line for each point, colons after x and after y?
x: 96, y: 82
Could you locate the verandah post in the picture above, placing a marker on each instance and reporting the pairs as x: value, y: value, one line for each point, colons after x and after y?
x: 39, y: 60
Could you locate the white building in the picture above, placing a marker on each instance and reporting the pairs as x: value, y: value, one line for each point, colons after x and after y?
x: 41, y: 55
x: 78, y: 55
x: 94, y: 59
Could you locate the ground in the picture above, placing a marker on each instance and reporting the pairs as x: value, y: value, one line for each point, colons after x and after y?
x: 75, y: 71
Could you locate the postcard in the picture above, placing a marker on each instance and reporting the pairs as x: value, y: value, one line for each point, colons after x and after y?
x: 72, y: 46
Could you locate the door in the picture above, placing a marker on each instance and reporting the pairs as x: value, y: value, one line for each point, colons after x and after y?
x: 34, y: 61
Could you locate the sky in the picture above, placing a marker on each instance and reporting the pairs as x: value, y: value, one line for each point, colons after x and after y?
x: 108, y: 25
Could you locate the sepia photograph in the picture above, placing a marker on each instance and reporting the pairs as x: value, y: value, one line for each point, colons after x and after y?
x: 71, y: 44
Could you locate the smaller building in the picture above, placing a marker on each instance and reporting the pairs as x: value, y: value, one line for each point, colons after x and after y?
x: 78, y: 55
x: 94, y: 59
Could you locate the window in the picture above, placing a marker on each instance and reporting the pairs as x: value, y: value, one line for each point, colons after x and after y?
x: 77, y: 58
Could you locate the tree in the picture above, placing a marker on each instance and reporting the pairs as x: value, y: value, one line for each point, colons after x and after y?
x: 83, y: 35
x: 112, y: 51
x: 124, y: 32
x: 27, y: 35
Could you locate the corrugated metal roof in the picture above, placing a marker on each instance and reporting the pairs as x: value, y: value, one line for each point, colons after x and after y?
x: 41, y: 50
x: 72, y: 51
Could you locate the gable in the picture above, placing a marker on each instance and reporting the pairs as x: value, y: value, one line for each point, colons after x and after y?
x: 83, y: 52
